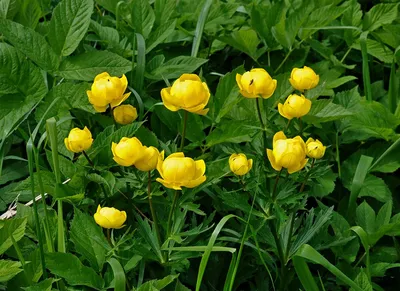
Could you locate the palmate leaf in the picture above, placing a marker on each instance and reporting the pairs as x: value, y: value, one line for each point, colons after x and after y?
x: 72, y: 270
x: 380, y: 14
x: 68, y: 25
x: 142, y: 17
x: 31, y: 43
x: 89, y: 239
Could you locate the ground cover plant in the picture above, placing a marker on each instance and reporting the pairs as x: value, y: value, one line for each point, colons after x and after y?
x: 199, y: 145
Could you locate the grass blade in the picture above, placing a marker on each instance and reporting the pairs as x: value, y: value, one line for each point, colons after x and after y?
x: 393, y: 88
x: 206, y: 255
x: 119, y: 274
x: 358, y: 180
x: 389, y: 150
x: 140, y: 63
x: 365, y: 66
x: 200, y: 27
x: 304, y: 274
x: 200, y: 249
x: 309, y: 253
x: 364, y: 241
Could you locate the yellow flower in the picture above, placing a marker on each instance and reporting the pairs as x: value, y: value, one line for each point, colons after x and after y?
x: 315, y: 148
x: 177, y: 171
x: 188, y: 93
x: 125, y: 114
x: 109, y: 217
x: 78, y: 140
x: 289, y: 153
x: 149, y: 159
x: 256, y: 83
x: 303, y: 79
x: 295, y: 106
x: 127, y: 151
x: 239, y: 164
x: 107, y: 90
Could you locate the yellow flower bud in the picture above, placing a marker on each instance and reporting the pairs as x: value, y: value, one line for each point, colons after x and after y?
x: 289, y: 153
x: 107, y: 90
x: 127, y: 151
x: 239, y: 164
x: 149, y: 159
x: 179, y: 171
x: 188, y: 93
x: 125, y: 114
x: 109, y: 217
x: 256, y: 83
x: 315, y: 148
x: 303, y: 79
x: 78, y: 140
x: 295, y: 106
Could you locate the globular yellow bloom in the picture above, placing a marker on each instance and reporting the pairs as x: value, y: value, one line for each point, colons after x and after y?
x: 107, y: 90
x: 128, y: 151
x: 256, y: 83
x: 109, y: 217
x: 315, y: 148
x: 78, y: 140
x: 295, y: 106
x: 149, y: 159
x: 179, y: 171
x: 239, y: 164
x: 303, y: 79
x: 188, y: 93
x: 125, y: 114
x: 289, y: 153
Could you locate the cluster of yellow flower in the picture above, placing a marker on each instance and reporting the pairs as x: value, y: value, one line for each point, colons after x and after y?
x: 191, y: 94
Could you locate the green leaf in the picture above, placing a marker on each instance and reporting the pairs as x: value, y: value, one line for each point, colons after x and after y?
x: 44, y: 285
x: 175, y: 67
x: 375, y: 187
x: 163, y: 10
x: 304, y: 274
x: 379, y: 269
x: 72, y: 270
x: 68, y: 25
x: 119, y: 274
x: 325, y: 110
x: 234, y: 132
x: 339, y: 82
x: 13, y: 227
x: 265, y: 16
x: 365, y: 217
x: 108, y: 34
x: 9, y: 269
x: 21, y: 88
x: 227, y: 94
x: 89, y: 239
x: 384, y: 214
x: 160, y: 34
x: 323, y: 185
x: 363, y: 281
x: 244, y: 40
x: 157, y: 285
x: 30, y: 43
x: 86, y: 66
x: 377, y: 50
x: 142, y: 17
x: 352, y: 17
x: 380, y: 14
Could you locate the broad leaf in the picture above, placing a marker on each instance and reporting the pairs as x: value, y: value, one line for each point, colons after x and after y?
x: 175, y: 67
x: 9, y: 269
x: 380, y: 14
x: 157, y: 285
x: 160, y: 34
x: 324, y: 111
x: 69, y: 267
x: 31, y: 43
x: 44, y: 285
x: 244, y: 40
x: 142, y: 17
x: 377, y: 50
x: 68, y: 25
x: 233, y: 131
x: 365, y: 217
x: 86, y: 66
x: 13, y: 227
x: 89, y: 239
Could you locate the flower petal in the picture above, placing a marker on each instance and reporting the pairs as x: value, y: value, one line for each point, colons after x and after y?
x: 117, y: 102
x: 271, y: 159
x: 282, y: 112
x: 195, y: 183
x: 200, y: 168
x: 103, y: 75
x: 168, y: 184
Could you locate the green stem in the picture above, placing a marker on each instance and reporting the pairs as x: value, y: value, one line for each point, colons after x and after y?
x: 284, y: 60
x: 88, y: 159
x: 273, y: 195
x: 109, y: 236
x: 345, y: 55
x: 365, y: 66
x: 153, y: 213
x: 338, y: 156
x: 307, y: 176
x: 18, y: 251
x: 60, y: 228
x: 264, y: 130
x: 287, y: 124
x: 185, y: 117
x: 289, y: 242
x: 171, y: 213
x: 49, y: 240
